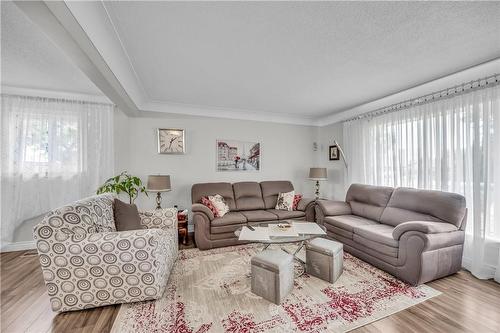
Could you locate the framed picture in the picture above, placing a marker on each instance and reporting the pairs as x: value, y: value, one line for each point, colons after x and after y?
x: 233, y: 155
x: 171, y: 141
x: 334, y: 153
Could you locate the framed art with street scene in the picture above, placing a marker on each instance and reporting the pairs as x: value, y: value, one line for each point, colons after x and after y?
x: 171, y: 141
x: 233, y: 155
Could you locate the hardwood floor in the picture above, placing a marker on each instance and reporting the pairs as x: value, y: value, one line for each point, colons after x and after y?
x: 466, y: 305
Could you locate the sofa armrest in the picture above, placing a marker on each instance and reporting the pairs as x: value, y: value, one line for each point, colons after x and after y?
x: 165, y: 218
x: 197, y: 207
x: 115, y: 262
x: 332, y: 208
x: 304, y: 202
x: 426, y: 227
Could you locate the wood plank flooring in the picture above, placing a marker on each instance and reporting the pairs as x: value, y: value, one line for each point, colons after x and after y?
x: 466, y: 305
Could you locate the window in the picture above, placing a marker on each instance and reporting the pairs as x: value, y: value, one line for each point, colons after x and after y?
x: 50, y: 144
x: 53, y: 151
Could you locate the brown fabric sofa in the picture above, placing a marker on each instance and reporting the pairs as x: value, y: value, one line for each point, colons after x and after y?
x: 250, y: 202
x: 416, y: 235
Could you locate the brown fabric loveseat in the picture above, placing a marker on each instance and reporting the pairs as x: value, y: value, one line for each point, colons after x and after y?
x: 249, y: 202
x: 416, y: 235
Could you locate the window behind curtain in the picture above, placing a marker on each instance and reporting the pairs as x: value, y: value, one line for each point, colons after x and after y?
x: 51, y: 144
x: 53, y: 151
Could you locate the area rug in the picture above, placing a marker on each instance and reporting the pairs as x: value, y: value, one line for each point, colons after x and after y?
x: 209, y: 291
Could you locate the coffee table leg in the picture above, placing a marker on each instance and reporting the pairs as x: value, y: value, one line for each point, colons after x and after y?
x: 301, y: 263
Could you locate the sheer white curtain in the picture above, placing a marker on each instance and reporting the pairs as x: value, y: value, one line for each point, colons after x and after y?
x: 451, y: 145
x: 53, y: 151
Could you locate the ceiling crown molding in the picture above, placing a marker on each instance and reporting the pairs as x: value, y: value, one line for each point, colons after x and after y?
x: 217, y: 112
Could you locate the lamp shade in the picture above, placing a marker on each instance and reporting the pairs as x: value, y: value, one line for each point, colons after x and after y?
x: 158, y: 183
x: 317, y: 174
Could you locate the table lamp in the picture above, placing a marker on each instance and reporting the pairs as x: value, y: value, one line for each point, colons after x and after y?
x: 158, y: 184
x: 317, y: 174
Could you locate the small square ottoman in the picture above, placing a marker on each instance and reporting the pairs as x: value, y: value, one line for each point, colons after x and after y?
x: 324, y: 259
x: 272, y: 275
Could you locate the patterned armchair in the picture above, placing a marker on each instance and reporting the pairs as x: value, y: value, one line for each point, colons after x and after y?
x: 86, y: 263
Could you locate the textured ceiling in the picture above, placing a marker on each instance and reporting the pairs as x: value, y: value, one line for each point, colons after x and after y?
x: 31, y: 60
x: 301, y: 58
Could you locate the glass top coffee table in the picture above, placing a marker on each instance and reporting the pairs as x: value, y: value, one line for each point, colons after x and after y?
x: 282, y: 240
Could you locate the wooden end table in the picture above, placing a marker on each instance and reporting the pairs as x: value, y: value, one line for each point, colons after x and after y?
x: 182, y: 227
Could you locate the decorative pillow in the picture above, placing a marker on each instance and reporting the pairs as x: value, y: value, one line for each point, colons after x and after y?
x: 296, y: 199
x: 126, y: 216
x: 285, y: 201
x: 219, y: 204
x: 209, y: 205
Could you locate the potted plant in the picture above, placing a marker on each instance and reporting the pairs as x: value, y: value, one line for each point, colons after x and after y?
x: 124, y: 183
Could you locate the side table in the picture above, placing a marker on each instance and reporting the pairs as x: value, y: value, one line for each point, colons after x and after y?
x: 182, y: 226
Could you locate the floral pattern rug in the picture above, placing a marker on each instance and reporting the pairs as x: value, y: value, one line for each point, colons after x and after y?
x: 209, y: 291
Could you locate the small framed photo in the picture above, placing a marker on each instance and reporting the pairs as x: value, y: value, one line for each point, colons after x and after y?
x: 171, y: 141
x: 334, y: 153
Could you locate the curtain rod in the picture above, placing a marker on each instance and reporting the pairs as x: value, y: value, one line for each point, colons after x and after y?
x: 466, y: 87
x: 54, y: 98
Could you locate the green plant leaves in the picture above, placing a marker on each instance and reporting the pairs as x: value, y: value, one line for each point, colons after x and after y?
x: 123, y: 183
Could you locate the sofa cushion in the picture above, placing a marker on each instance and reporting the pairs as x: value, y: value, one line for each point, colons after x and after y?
x: 259, y: 215
x: 367, y: 200
x: 126, y: 216
x: 228, y: 219
x: 296, y: 200
x: 285, y: 201
x: 210, y: 206
x: 394, y: 216
x: 220, y: 204
x: 248, y: 196
x: 337, y: 231
x: 409, y: 204
x: 376, y: 247
x: 207, y: 189
x: 380, y: 233
x: 287, y: 214
x: 270, y: 190
x: 348, y: 222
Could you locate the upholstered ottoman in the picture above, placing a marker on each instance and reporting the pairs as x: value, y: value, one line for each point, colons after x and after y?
x: 324, y: 259
x: 272, y: 275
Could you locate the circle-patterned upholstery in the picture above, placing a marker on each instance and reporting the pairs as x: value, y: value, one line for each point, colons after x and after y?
x: 87, y: 263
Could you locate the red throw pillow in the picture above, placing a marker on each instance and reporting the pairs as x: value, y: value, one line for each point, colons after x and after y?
x: 296, y: 200
x: 209, y: 205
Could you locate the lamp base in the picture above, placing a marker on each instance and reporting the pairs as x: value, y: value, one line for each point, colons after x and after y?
x: 158, y: 200
x: 317, y: 190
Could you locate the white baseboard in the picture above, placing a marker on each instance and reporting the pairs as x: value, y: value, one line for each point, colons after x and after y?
x: 18, y: 246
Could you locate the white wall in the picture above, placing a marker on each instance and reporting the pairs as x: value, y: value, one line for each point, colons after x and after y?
x: 287, y: 153
x: 334, y: 188
x: 121, y: 128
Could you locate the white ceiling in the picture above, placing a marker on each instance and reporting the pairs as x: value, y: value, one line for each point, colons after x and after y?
x: 296, y: 62
x: 301, y: 58
x: 30, y: 60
